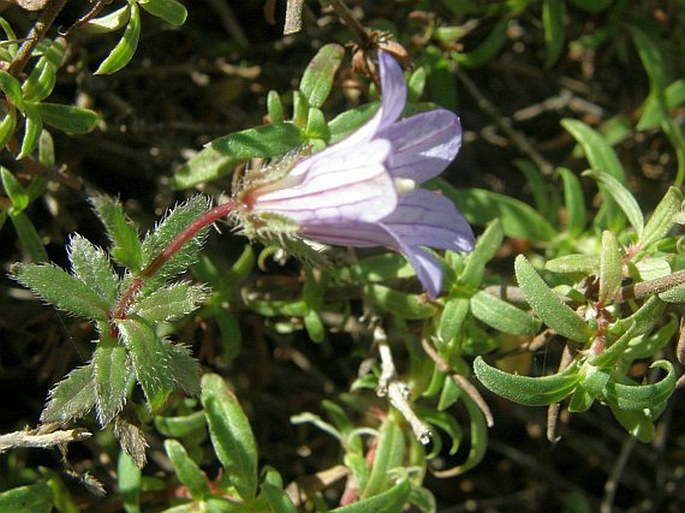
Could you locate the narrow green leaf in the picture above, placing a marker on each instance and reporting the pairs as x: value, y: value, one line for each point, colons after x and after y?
x: 71, y: 398
x: 62, y: 290
x: 621, y: 195
x: 170, y: 302
x: 389, y: 453
x: 35, y: 498
x: 488, y: 49
x: 452, y: 318
x: 653, y: 113
x: 92, y: 266
x: 553, y: 12
x: 575, y: 263
x: 129, y: 479
x: 178, y: 427
x: 7, y: 126
x: 278, y: 499
x: 231, y: 435
x: 274, y: 106
x: 599, y: 153
x: 407, y: 306
x: 33, y: 127
x: 15, y: 191
x: 661, y: 220
x: 637, y: 422
x: 644, y: 318
x: 316, y: 127
x: 317, y: 79
x: 350, y: 120
x: 171, y: 11
x: 126, y: 247
x: 416, y: 83
x: 537, y: 184
x: 610, y: 268
x: 150, y: 358
x: 112, y: 376
x: 222, y: 155
x: 487, y: 245
x: 70, y: 119
x: 547, y: 305
x: 526, y: 390
x: 502, y: 316
x: 377, y: 268
x: 28, y: 235
x: 646, y: 347
x: 122, y: 53
x: 116, y: 20
x: 41, y: 81
x: 187, y: 470
x: 12, y: 89
x: 576, y: 213
x: 390, y: 501
x: 640, y: 397
x: 481, y: 206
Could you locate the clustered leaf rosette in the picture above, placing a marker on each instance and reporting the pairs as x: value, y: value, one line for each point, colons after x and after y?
x: 362, y: 190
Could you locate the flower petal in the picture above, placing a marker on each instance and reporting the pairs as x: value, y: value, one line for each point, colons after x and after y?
x: 360, y: 235
x: 394, y: 98
x: 335, y: 188
x: 426, y: 218
x: 423, y: 145
x: 427, y: 268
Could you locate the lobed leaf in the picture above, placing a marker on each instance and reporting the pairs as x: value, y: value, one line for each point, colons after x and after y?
x: 170, y: 302
x: 150, y: 358
x: 112, y: 375
x: 92, y: 266
x: 62, y: 290
x: 126, y: 247
x: 547, y: 305
x: 526, y: 390
x: 231, y: 435
x: 71, y: 398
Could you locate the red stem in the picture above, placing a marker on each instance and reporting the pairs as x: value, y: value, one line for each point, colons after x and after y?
x: 210, y: 217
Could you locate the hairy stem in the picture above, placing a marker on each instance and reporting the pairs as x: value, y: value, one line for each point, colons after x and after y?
x: 208, y: 218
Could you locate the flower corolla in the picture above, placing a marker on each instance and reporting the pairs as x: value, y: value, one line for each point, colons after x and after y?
x: 362, y: 190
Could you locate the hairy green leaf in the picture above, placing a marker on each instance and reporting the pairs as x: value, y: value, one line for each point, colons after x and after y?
x: 57, y: 287
x: 390, y: 501
x: 530, y: 391
x: 170, y: 302
x: 485, y: 249
x: 610, y: 268
x: 126, y: 247
x: 72, y: 397
x: 575, y: 263
x: 502, y: 316
x: 639, y: 397
x: 621, y: 195
x: 92, y: 266
x: 407, y: 306
x: 112, y: 376
x: 547, y: 305
x: 661, y: 220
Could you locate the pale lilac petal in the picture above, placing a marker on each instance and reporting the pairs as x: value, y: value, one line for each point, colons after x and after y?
x: 360, y: 235
x: 338, y: 189
x: 423, y: 145
x: 427, y: 268
x: 426, y: 218
x: 394, y: 99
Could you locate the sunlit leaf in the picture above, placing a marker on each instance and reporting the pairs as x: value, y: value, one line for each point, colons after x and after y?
x: 92, y: 266
x: 621, y: 195
x: 502, y: 316
x: 68, y: 118
x: 122, y: 53
x: 71, y: 398
x: 171, y: 11
x: 112, y: 376
x: 35, y: 498
x: 317, y: 79
x: 187, y: 470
